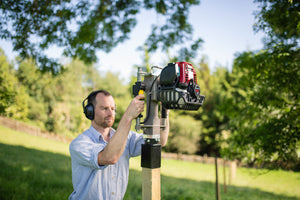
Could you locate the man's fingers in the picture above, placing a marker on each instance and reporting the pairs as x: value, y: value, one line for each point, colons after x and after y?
x: 140, y: 97
x: 136, y: 106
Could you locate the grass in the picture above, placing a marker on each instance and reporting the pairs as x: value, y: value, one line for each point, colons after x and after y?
x: 190, y: 180
x: 39, y: 168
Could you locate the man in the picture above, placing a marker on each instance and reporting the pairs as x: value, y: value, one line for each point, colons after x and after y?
x: 100, y: 155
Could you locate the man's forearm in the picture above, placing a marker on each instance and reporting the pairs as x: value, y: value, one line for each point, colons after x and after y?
x: 116, y: 145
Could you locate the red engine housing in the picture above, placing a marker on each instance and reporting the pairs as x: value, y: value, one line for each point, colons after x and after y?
x: 187, y: 73
x: 178, y: 88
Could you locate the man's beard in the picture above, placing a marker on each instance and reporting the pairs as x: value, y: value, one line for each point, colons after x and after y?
x: 107, y: 124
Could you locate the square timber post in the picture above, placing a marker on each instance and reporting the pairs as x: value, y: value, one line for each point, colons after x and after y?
x: 151, y: 162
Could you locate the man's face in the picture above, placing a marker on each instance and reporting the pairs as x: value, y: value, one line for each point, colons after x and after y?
x: 104, y: 111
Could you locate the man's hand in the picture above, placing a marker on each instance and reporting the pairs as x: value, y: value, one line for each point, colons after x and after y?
x: 135, y: 107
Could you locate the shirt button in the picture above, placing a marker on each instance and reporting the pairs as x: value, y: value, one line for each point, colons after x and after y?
x: 113, y: 177
x: 112, y: 193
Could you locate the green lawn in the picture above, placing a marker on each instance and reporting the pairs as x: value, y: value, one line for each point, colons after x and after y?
x: 38, y: 168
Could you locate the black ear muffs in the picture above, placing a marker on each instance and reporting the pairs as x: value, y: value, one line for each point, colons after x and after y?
x: 88, y: 109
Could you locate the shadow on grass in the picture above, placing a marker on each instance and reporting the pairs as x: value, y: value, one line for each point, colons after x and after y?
x: 32, y: 174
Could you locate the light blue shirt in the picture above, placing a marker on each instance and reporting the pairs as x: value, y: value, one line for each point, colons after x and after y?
x: 94, y: 182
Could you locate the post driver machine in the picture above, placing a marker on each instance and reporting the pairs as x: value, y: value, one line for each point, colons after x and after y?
x: 174, y: 88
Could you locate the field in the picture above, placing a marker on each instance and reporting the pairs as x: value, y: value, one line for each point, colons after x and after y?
x: 38, y: 168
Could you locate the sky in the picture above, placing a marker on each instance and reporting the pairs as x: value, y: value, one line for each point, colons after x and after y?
x: 226, y: 26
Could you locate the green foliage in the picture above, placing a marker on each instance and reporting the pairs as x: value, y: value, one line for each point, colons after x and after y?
x: 266, y: 112
x: 19, y: 108
x: 7, y: 85
x: 279, y: 19
x: 184, y: 134
x: 13, y: 97
x: 265, y: 89
x: 82, y: 28
x: 214, y: 120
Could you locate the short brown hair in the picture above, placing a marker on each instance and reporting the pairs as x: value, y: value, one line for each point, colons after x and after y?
x: 92, y: 96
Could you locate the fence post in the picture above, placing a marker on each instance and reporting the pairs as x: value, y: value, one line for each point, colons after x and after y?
x: 217, y: 180
x: 224, y: 172
x: 232, y: 171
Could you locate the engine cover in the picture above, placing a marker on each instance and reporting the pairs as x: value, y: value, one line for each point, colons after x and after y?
x: 178, y: 88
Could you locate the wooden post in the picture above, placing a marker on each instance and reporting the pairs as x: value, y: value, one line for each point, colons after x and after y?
x: 217, y: 180
x: 232, y: 171
x: 151, y: 184
x: 151, y: 161
x: 224, y: 172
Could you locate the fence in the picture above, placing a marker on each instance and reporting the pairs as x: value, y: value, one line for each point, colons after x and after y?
x: 32, y: 130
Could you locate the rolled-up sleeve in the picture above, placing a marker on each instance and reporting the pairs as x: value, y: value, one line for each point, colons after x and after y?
x: 85, y: 152
x: 135, y: 142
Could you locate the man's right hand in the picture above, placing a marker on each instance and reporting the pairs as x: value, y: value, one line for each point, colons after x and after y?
x: 135, y: 107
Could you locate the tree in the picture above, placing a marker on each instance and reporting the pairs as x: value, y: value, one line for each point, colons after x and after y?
x: 280, y: 20
x: 70, y: 88
x: 13, y: 98
x: 184, y: 134
x: 266, y: 106
x: 84, y: 27
x: 265, y: 89
x: 33, y: 82
x: 214, y: 121
x: 7, y: 89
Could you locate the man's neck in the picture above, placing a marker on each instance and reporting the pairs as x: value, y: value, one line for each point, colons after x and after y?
x: 103, y: 131
x: 105, y: 136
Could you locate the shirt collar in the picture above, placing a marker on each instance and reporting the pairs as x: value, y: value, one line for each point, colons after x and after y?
x: 96, y: 134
